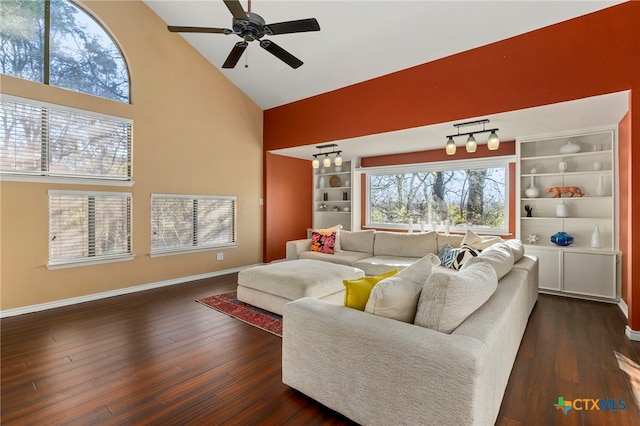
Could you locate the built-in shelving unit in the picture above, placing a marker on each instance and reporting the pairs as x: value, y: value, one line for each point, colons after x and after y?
x: 585, y: 160
x: 332, y: 196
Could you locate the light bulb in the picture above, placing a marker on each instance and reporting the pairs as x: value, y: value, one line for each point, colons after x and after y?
x: 471, y: 144
x: 450, y: 147
x: 493, y: 142
x: 338, y: 159
x: 326, y: 161
x: 315, y: 163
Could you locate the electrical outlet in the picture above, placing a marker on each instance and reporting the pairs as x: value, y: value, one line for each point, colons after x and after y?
x: 219, y: 256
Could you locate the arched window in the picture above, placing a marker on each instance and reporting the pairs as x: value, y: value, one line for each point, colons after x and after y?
x: 55, y: 42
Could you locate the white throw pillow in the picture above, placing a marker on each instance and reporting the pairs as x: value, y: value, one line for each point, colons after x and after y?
x: 517, y: 248
x: 475, y: 241
x: 499, y: 256
x: 448, y: 299
x: 397, y: 297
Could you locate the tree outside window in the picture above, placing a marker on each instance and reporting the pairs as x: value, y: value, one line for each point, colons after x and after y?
x: 467, y: 198
x: 55, y: 42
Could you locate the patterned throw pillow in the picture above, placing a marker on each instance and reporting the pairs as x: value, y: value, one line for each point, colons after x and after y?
x: 447, y: 255
x: 323, y: 242
x: 465, y: 254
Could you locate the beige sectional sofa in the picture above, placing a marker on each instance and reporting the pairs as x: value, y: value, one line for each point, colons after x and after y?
x: 380, y: 371
x: 376, y: 252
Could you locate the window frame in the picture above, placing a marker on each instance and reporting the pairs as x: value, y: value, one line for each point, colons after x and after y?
x: 90, y: 260
x: 436, y: 166
x: 46, y: 51
x: 195, y: 248
x: 44, y: 176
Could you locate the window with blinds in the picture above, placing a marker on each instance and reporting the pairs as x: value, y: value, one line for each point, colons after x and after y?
x: 89, y: 227
x: 192, y: 222
x: 49, y: 140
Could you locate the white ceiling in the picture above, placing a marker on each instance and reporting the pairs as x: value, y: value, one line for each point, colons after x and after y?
x: 363, y: 39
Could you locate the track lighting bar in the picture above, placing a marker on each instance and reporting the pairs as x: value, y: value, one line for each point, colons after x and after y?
x: 326, y: 161
x: 492, y: 143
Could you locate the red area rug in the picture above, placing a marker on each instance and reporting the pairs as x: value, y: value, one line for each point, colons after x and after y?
x: 228, y: 303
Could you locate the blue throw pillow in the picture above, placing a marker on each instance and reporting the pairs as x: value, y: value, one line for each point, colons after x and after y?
x: 447, y: 255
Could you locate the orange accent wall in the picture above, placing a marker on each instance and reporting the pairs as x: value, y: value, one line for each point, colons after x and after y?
x: 288, y: 203
x: 590, y: 55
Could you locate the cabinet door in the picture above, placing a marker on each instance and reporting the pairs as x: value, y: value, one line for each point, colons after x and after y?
x: 592, y: 274
x: 549, y: 268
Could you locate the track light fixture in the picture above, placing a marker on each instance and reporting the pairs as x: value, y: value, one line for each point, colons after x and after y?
x: 326, y: 160
x: 492, y: 143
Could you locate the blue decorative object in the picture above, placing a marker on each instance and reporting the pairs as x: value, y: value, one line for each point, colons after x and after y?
x: 562, y: 239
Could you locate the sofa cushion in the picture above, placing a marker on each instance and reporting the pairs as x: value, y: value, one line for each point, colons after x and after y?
x: 499, y: 256
x: 397, y: 297
x: 475, y: 241
x: 375, y: 265
x: 452, y: 240
x: 361, y: 241
x: 323, y: 241
x: 517, y: 248
x: 341, y: 257
x: 405, y: 245
x: 357, y: 291
x: 448, y: 299
x: 463, y: 254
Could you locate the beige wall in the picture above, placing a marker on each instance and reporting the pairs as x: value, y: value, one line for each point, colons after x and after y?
x: 194, y: 133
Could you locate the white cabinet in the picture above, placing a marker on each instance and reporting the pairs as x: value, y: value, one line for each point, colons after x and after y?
x: 332, y: 196
x: 583, y: 168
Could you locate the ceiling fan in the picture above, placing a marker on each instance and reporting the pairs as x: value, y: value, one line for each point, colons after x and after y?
x: 250, y: 26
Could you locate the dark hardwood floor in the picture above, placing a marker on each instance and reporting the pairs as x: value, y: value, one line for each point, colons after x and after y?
x: 158, y: 357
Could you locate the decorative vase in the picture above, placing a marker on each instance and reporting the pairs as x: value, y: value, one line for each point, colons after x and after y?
x: 597, y: 165
x: 562, y: 166
x: 534, y: 170
x: 600, y: 190
x: 570, y: 148
x: 595, y: 238
x: 562, y: 210
x: 561, y: 239
x: 321, y: 182
x: 338, y: 168
x: 532, y: 191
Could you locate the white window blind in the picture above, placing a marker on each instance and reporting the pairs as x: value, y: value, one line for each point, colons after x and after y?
x: 89, y: 226
x: 49, y: 140
x: 191, y: 222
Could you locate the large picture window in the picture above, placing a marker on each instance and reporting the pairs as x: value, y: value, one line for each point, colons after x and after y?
x: 470, y: 195
x: 55, y: 42
x: 182, y: 223
x: 41, y: 139
x: 88, y: 227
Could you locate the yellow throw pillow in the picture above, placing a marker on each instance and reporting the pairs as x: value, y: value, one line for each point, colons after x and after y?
x: 357, y: 291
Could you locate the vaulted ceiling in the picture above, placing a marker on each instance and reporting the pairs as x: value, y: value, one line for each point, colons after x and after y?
x: 363, y: 39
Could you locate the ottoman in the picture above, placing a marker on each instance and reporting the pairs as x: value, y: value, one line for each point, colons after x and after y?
x: 271, y: 286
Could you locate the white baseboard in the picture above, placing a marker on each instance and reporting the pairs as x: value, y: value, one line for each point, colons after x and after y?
x: 624, y: 308
x: 96, y: 296
x: 632, y: 334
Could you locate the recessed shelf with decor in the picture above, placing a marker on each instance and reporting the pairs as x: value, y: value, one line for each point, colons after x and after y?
x: 582, y: 163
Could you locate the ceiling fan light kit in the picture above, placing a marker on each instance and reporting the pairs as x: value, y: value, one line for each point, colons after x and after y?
x: 326, y: 160
x: 471, y: 145
x: 251, y: 27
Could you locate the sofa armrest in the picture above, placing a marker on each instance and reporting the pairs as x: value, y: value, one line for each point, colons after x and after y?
x: 375, y: 370
x: 295, y: 247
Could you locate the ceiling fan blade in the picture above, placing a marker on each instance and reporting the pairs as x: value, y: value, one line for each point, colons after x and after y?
x: 236, y: 9
x: 280, y: 53
x: 235, y: 54
x: 299, y: 26
x: 174, y: 29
